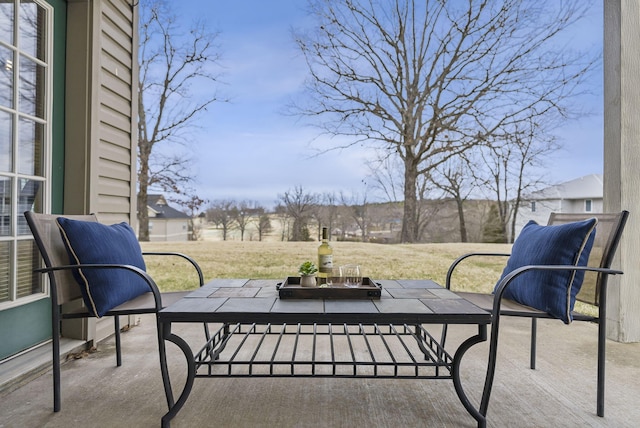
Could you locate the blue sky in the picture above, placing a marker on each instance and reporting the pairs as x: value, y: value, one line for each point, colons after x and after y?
x: 247, y: 149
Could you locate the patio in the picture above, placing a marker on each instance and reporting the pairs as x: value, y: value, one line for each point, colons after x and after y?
x: 561, y: 392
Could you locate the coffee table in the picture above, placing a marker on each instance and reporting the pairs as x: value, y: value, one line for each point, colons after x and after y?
x: 257, y: 334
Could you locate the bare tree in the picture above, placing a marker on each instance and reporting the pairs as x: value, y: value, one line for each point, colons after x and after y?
x: 385, y: 173
x: 316, y: 213
x: 359, y: 211
x: 263, y: 222
x: 511, y: 162
x: 330, y: 210
x: 387, y: 176
x: 427, y: 79
x: 221, y: 213
x: 455, y: 179
x: 191, y: 204
x: 242, y: 214
x: 171, y: 61
x: 298, y: 204
x: 283, y: 218
x: 344, y: 221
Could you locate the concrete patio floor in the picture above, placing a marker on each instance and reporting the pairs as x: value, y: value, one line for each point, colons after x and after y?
x: 561, y: 392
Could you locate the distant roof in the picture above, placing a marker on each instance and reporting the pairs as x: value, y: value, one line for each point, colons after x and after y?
x: 587, y: 187
x: 159, y: 205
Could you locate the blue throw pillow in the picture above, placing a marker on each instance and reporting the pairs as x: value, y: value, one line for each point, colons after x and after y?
x: 93, y: 242
x: 552, y: 291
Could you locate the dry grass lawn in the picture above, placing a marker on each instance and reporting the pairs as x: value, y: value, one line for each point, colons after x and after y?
x: 275, y: 260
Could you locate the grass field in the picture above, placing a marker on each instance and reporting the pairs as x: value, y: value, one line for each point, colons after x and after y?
x: 277, y: 260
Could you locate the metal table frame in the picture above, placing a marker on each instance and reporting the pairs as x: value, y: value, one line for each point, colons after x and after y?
x: 260, y: 335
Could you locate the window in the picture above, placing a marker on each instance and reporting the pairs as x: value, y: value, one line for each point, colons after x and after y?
x: 25, y: 128
x: 533, y: 206
x: 587, y: 205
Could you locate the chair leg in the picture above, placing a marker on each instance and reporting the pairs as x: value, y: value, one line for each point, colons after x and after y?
x: 534, y: 340
x: 602, y: 338
x: 55, y: 337
x: 162, y: 353
x: 116, y: 324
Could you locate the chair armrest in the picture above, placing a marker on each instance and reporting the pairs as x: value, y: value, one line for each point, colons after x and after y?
x: 506, y: 281
x: 457, y: 261
x: 144, y: 275
x: 184, y: 256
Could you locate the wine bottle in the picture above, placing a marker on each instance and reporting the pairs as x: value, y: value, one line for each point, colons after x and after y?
x: 325, y: 257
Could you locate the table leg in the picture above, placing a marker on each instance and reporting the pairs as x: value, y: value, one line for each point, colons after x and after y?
x: 166, y: 335
x: 478, y: 414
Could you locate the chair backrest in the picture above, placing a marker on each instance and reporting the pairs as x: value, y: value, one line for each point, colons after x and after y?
x: 53, y: 252
x: 608, y: 232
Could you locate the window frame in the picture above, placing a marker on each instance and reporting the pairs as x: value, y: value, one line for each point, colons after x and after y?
x: 17, y: 233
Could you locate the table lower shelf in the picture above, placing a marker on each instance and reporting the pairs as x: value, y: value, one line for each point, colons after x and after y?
x: 321, y: 350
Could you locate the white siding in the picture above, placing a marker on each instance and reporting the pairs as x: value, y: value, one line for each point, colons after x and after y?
x: 100, y: 120
x: 116, y: 122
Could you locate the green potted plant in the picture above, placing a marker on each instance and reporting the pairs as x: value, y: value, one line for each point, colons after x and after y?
x: 307, y: 271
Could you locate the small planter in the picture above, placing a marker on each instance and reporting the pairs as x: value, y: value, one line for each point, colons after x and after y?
x: 307, y: 271
x: 308, y: 280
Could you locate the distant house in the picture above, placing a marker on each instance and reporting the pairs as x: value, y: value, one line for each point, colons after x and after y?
x: 166, y: 223
x: 582, y: 195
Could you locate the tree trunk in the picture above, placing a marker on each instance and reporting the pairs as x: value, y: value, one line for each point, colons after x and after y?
x: 409, y: 232
x: 463, y: 224
x: 143, y: 183
x: 297, y: 233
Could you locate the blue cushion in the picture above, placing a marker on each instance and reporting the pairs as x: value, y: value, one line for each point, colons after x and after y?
x: 93, y: 242
x: 549, y: 290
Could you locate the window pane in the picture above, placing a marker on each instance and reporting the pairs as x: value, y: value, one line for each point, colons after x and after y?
x: 6, y: 21
x: 30, y: 147
x: 6, y: 77
x: 28, y: 259
x: 6, y: 146
x: 5, y: 263
x: 29, y: 197
x: 24, y: 74
x: 5, y: 206
x: 31, y: 86
x: 32, y: 30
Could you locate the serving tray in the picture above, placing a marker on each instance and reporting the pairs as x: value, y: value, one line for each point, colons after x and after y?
x: 290, y: 288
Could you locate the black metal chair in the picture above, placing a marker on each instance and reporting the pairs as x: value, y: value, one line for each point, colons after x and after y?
x: 594, y: 292
x: 64, y: 288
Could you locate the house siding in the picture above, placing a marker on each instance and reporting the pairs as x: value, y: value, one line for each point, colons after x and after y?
x: 116, y: 140
x: 100, y: 160
x: 101, y: 121
x: 117, y: 94
x: 569, y: 197
x: 169, y: 230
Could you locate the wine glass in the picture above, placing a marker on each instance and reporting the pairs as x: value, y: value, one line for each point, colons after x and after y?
x: 335, y: 277
x: 352, y: 276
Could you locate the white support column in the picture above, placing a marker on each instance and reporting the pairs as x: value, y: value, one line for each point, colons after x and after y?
x: 622, y: 159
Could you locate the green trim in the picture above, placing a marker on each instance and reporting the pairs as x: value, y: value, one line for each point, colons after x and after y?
x: 24, y: 326
x: 58, y: 116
